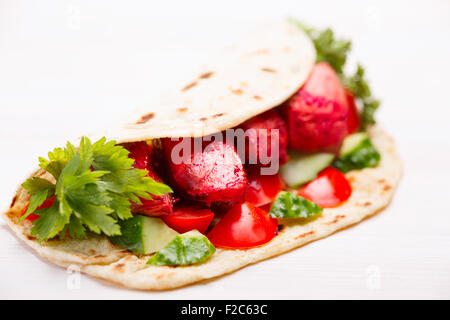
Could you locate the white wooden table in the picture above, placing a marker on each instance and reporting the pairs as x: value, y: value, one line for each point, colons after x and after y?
x: 70, y: 67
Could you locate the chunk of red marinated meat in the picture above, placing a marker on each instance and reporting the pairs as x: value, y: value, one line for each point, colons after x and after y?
x: 324, y: 82
x: 261, y: 130
x: 213, y: 174
x: 317, y: 115
x: 142, y: 154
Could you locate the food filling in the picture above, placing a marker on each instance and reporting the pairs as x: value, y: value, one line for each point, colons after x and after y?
x: 180, y: 199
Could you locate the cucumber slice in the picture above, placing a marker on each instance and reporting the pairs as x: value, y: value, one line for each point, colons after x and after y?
x: 144, y: 235
x: 302, y: 168
x: 357, y: 153
x: 353, y: 142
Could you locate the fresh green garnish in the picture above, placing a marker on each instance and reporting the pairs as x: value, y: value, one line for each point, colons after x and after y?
x: 143, y: 234
x: 334, y: 52
x: 290, y: 205
x: 93, y: 189
x: 329, y: 49
x: 357, y: 153
x: 360, y: 88
x: 186, y: 249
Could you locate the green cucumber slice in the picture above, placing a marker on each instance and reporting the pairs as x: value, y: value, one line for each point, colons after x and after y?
x: 144, y: 235
x: 352, y: 142
x: 357, y: 153
x: 302, y: 168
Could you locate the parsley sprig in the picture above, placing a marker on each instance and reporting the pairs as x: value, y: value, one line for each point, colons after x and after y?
x: 360, y: 88
x: 94, y: 186
x: 334, y: 52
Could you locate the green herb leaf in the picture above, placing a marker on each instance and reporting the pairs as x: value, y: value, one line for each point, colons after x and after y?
x: 57, y: 160
x: 94, y: 187
x: 360, y: 88
x: 185, y: 249
x: 76, y: 228
x: 329, y: 49
x: 36, y: 200
x: 40, y: 189
x: 50, y: 222
x: 37, y: 184
x: 290, y: 205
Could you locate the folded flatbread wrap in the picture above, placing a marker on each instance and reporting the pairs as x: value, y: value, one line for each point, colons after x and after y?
x: 257, y: 74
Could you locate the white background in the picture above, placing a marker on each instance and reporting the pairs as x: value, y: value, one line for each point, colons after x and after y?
x: 70, y: 67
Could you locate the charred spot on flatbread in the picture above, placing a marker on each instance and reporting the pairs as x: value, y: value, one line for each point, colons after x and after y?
x: 203, y: 119
x: 182, y: 110
x: 30, y: 237
x: 259, y: 52
x: 165, y: 275
x: 237, y: 91
x: 189, y: 86
x: 268, y: 70
x: 13, y: 202
x: 257, y: 98
x: 217, y: 115
x: 120, y: 267
x: 335, y: 220
x: 145, y: 118
x: 206, y: 75
x: 303, y: 235
x: 11, y: 215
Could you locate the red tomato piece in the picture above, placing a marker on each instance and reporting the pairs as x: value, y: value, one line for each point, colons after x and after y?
x: 189, y: 217
x: 244, y: 226
x: 266, y: 207
x: 263, y: 189
x: 48, y: 203
x: 328, y: 190
x: 353, y: 121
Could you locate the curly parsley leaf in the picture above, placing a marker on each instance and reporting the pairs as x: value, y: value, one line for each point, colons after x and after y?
x: 334, y: 52
x: 93, y: 189
x: 360, y: 88
x: 329, y: 49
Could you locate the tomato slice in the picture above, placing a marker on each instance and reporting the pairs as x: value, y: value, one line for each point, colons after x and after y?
x: 266, y: 207
x: 328, y: 190
x: 263, y: 189
x: 48, y: 203
x: 189, y: 217
x: 353, y: 121
x: 244, y: 226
